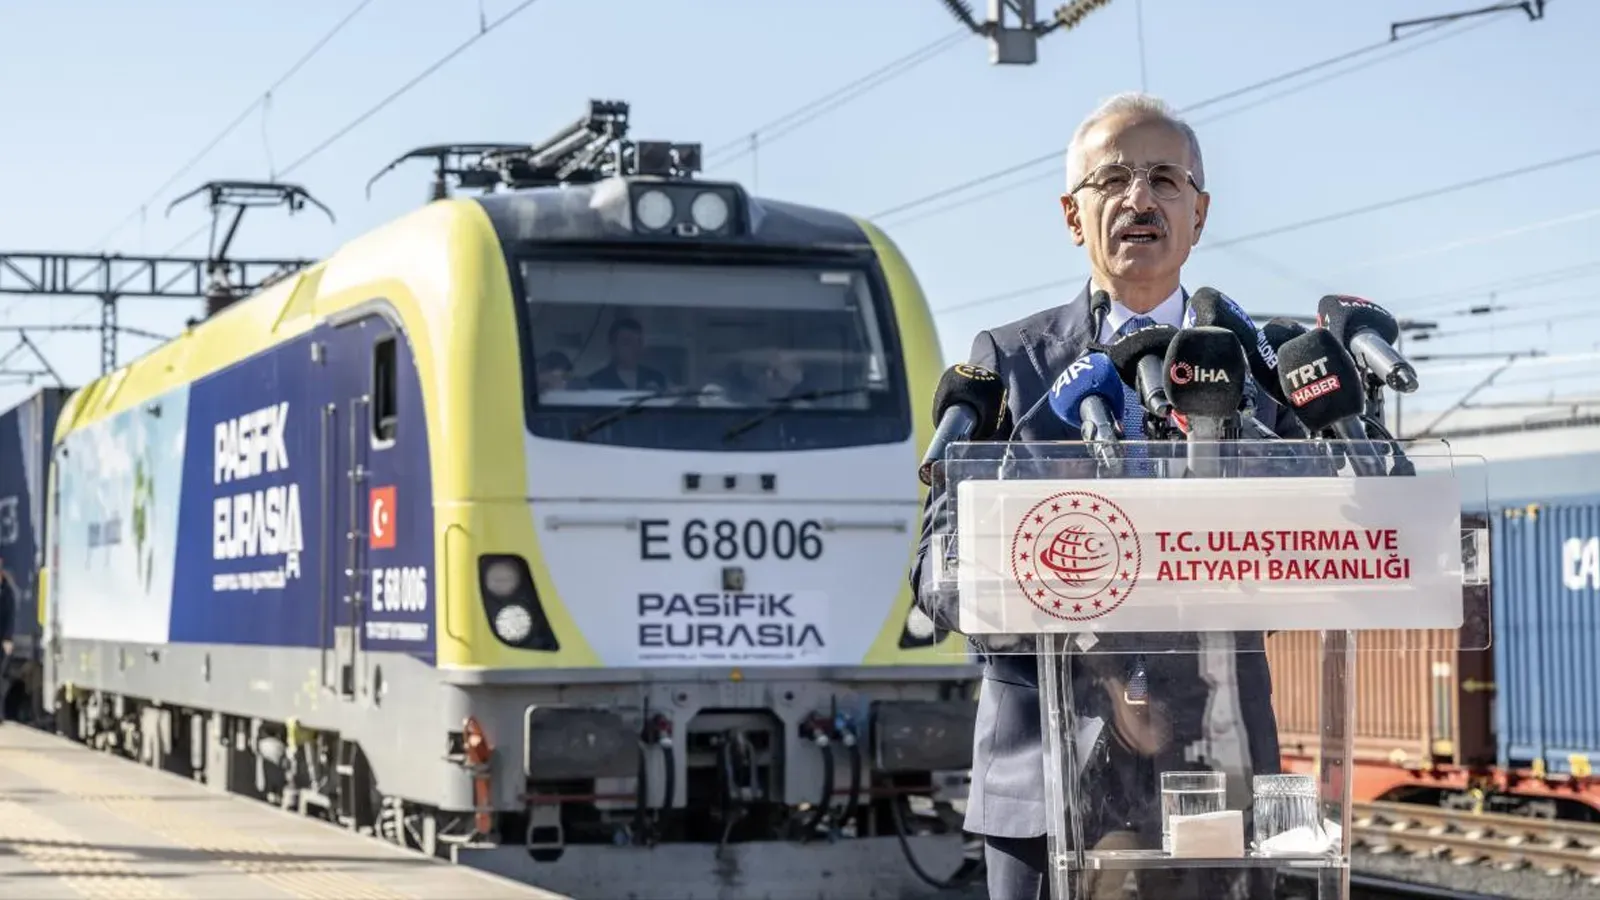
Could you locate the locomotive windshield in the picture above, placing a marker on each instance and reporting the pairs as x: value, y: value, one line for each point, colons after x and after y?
x: 711, y: 356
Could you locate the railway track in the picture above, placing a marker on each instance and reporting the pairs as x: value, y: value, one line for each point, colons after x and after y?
x: 1508, y: 843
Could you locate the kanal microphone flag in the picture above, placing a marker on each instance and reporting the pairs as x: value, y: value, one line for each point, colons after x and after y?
x: 968, y: 405
x: 1203, y: 372
x: 1088, y: 396
x: 1209, y: 306
x: 1369, y: 331
x: 1279, y: 331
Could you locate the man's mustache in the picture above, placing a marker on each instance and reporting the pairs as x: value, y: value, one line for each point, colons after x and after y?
x: 1146, y: 219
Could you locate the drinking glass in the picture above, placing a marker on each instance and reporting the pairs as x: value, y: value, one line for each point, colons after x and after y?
x: 1189, y: 794
x: 1284, y: 803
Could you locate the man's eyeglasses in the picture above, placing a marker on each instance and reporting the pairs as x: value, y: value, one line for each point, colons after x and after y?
x: 1166, y: 180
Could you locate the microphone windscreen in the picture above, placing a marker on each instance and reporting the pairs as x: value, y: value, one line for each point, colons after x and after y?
x: 1099, y: 305
x: 1281, y: 331
x: 1345, y: 315
x: 1127, y: 350
x: 1321, y: 379
x: 1209, y: 306
x: 975, y: 387
x: 1204, y: 371
x: 1090, y: 375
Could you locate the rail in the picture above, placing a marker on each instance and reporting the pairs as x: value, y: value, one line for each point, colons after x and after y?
x: 1554, y: 847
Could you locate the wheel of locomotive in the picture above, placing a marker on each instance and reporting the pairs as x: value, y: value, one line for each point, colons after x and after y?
x: 360, y: 805
x: 410, y: 826
x: 67, y: 717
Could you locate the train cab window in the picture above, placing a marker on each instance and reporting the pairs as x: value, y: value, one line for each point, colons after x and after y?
x: 385, y: 411
x: 685, y: 355
x: 745, y: 337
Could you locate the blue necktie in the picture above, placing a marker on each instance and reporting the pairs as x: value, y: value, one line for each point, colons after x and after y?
x: 1132, y: 409
x: 1138, y: 688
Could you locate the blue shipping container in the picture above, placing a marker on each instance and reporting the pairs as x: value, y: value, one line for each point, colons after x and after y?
x: 1546, y: 588
x: 26, y: 433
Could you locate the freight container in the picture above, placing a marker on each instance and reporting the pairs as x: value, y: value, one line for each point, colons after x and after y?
x: 1421, y: 700
x: 26, y: 433
x: 1546, y: 585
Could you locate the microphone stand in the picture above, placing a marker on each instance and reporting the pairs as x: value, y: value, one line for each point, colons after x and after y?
x: 1373, y: 418
x: 1215, y: 653
x: 1365, y: 462
x: 1206, y: 462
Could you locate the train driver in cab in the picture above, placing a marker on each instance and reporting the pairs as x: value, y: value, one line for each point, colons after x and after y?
x: 555, y: 372
x: 625, y: 372
x: 782, y: 376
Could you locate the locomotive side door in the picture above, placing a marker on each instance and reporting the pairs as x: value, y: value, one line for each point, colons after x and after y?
x: 346, y: 442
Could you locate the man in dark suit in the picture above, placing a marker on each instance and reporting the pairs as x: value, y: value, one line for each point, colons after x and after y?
x: 625, y: 372
x: 1136, y: 202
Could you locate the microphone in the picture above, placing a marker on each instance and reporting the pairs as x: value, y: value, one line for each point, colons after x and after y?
x: 1211, y: 307
x: 1203, y: 373
x: 968, y: 404
x: 1370, y: 332
x: 1088, y: 396
x: 1138, y: 357
x: 1280, y: 331
x: 1323, y: 385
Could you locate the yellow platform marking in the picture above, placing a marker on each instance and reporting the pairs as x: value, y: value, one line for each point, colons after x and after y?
x: 262, y: 860
x: 88, y: 870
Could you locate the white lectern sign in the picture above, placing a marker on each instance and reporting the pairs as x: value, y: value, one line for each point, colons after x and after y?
x: 1236, y: 554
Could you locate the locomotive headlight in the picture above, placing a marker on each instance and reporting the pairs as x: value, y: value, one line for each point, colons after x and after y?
x: 919, y: 625
x: 710, y: 211
x: 501, y: 579
x: 513, y: 623
x: 654, y: 209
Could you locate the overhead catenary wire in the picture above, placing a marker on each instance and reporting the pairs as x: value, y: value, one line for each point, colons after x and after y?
x: 228, y: 129
x: 1031, y: 178
x: 826, y: 103
x: 260, y: 100
x: 483, y: 31
x: 1508, y: 285
x: 238, y: 120
x: 1054, y: 156
x: 1290, y: 227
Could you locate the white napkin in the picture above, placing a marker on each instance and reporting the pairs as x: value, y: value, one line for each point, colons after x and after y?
x: 1215, y: 835
x: 1303, y: 840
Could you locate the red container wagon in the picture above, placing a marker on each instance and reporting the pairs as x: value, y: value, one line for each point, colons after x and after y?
x: 1423, y: 727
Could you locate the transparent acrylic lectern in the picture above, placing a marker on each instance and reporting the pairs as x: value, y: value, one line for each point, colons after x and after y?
x: 1140, y: 585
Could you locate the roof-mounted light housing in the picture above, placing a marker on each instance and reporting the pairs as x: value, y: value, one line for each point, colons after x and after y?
x: 686, y: 209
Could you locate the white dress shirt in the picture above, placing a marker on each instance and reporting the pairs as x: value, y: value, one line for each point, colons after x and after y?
x: 1170, y: 312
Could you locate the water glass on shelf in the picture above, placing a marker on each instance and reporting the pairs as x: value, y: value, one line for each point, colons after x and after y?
x: 1189, y: 794
x: 1284, y: 803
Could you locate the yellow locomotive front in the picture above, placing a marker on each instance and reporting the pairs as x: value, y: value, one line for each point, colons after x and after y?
x: 698, y: 417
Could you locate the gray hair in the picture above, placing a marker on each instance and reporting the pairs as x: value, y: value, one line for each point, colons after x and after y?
x: 1139, y: 105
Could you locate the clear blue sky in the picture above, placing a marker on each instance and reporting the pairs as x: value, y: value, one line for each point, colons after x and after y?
x: 103, y: 101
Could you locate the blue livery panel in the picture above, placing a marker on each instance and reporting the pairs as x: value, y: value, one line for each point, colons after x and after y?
x: 258, y: 505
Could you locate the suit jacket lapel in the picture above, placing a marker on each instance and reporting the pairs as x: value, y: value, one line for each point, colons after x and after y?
x: 1051, y: 345
x: 1061, y: 341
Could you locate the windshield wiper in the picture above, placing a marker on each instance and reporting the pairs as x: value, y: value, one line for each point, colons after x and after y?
x: 780, y: 404
x: 590, y: 427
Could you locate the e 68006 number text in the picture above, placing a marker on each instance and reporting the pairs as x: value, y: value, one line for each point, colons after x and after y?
x: 724, y: 539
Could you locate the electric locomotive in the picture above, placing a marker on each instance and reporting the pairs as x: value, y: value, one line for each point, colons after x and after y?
x: 571, y: 514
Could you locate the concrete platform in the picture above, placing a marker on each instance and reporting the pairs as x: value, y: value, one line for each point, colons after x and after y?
x: 76, y: 823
